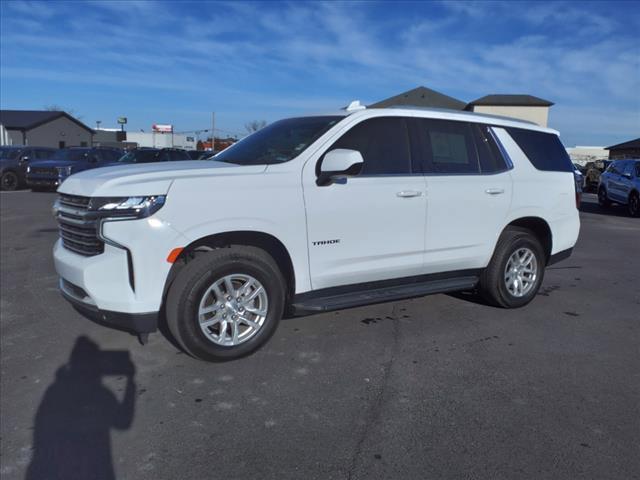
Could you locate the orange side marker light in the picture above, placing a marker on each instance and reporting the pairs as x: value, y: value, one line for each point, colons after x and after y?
x: 174, y: 254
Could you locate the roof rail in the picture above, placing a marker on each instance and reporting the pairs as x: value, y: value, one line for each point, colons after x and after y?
x: 354, y: 106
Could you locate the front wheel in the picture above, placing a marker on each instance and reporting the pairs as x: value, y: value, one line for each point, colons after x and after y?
x: 634, y: 205
x: 516, y: 270
x: 9, y: 181
x: 603, y: 199
x: 226, y: 303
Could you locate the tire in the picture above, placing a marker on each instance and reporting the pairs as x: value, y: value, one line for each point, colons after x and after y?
x: 9, y: 181
x: 633, y: 206
x: 193, y: 288
x: 494, y: 287
x: 603, y: 199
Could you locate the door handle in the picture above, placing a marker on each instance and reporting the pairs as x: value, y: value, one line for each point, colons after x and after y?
x: 494, y: 191
x: 409, y: 194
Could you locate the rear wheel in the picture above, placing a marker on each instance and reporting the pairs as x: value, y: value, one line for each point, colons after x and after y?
x: 226, y: 303
x: 516, y: 270
x: 9, y: 180
x: 634, y: 204
x: 603, y: 199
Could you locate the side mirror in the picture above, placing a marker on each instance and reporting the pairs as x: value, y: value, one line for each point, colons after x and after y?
x: 24, y: 158
x: 340, y: 162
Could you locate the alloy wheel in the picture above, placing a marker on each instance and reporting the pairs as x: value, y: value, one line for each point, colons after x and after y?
x: 521, y: 272
x: 233, y: 309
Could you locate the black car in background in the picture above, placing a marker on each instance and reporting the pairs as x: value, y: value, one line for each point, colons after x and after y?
x: 201, y: 154
x: 150, y: 155
x: 14, y: 161
x: 51, y: 172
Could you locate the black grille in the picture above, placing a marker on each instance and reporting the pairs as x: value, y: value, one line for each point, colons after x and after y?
x: 44, y: 171
x: 78, y: 226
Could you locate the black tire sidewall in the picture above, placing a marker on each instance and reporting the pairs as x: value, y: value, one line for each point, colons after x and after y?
x: 603, y: 201
x: 11, y: 187
x: 517, y: 242
x: 188, y: 331
x: 634, y: 197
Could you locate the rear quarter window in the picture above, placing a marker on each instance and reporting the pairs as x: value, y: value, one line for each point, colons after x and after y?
x: 544, y: 150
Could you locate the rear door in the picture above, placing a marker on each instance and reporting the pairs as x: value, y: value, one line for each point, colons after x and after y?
x: 469, y: 191
x: 370, y: 226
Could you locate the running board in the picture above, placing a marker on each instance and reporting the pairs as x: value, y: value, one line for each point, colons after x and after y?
x: 314, y: 302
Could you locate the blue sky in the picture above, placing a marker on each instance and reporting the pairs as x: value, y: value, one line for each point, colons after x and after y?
x: 174, y: 63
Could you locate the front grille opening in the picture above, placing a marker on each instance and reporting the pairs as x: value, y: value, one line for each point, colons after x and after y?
x: 78, y: 226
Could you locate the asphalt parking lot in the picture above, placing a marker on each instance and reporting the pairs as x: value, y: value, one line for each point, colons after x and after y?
x: 435, y: 387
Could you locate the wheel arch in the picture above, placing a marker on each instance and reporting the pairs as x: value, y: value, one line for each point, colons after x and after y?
x: 540, y: 228
x: 267, y: 242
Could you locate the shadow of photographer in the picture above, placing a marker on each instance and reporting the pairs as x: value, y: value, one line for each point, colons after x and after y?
x: 71, y: 437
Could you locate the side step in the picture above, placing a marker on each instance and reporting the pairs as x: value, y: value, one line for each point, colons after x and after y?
x: 314, y: 302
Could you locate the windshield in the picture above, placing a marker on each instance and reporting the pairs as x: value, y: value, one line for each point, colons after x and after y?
x: 139, y: 156
x: 9, y: 153
x: 73, y: 155
x: 279, y: 142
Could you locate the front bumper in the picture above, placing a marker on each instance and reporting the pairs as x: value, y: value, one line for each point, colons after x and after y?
x: 42, y: 181
x: 122, y: 287
x: 138, y: 323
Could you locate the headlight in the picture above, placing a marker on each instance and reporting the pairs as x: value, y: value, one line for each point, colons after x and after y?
x: 64, y: 171
x: 127, y: 207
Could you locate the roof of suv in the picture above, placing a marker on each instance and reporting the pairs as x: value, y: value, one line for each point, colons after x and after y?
x: 447, y: 114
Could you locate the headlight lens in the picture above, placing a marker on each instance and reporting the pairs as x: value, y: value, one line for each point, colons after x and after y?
x: 128, y: 207
x: 64, y: 171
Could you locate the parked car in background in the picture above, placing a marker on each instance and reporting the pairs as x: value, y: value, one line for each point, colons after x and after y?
x: 620, y: 183
x: 593, y: 171
x: 14, y: 161
x: 52, y: 171
x: 152, y: 155
x: 579, y: 178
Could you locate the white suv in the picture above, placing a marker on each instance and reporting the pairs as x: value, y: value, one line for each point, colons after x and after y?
x: 313, y: 214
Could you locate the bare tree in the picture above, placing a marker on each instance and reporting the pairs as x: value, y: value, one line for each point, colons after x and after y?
x: 58, y: 108
x: 255, y: 125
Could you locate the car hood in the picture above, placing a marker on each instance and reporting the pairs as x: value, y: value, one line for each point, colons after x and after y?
x: 147, y: 178
x: 53, y: 163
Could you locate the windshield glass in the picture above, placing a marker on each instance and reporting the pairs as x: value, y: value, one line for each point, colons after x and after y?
x: 73, y: 155
x: 139, y: 156
x: 9, y: 153
x: 279, y: 142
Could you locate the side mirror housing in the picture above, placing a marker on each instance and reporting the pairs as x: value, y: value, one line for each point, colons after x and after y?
x: 340, y: 162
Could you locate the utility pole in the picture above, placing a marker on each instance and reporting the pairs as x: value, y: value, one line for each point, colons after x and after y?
x: 213, y: 131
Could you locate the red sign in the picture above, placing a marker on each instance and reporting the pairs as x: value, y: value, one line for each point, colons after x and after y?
x: 156, y: 127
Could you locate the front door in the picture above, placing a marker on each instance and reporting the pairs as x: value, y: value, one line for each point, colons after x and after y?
x: 370, y: 226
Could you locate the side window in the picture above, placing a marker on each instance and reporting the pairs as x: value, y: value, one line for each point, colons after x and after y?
x: 614, y: 168
x: 637, y: 169
x: 629, y: 168
x: 491, y: 160
x: 448, y: 147
x: 383, y: 143
x: 162, y: 156
x: 41, y: 154
x: 544, y: 150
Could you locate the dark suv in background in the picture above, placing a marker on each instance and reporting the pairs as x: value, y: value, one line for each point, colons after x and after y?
x: 151, y: 155
x: 14, y: 161
x: 51, y: 172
